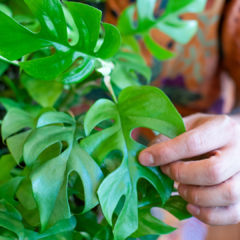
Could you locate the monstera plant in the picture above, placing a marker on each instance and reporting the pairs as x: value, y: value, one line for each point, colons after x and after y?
x: 75, y: 175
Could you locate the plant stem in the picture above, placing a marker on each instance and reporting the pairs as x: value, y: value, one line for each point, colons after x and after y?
x: 107, y: 81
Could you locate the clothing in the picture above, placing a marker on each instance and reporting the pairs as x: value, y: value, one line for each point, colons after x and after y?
x: 193, y: 79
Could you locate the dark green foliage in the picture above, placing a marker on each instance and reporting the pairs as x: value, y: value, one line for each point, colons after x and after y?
x: 78, y: 177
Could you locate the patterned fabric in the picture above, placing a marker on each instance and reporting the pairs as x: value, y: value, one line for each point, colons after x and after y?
x: 196, y: 79
x: 193, y: 79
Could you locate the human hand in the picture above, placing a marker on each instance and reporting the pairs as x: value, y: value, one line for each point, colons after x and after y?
x: 211, y: 185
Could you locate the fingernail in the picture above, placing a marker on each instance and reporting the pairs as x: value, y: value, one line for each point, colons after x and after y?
x: 183, y: 190
x: 166, y: 170
x: 193, y: 209
x: 185, y: 193
x: 146, y: 159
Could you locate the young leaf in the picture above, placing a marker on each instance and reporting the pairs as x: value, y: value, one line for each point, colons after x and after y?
x: 17, y: 41
x: 50, y: 180
x: 169, y: 23
x: 137, y: 107
x: 126, y: 64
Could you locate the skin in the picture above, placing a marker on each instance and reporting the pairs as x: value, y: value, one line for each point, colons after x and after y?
x: 209, y: 184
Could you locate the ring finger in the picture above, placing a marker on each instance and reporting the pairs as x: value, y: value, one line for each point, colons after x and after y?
x: 221, y: 195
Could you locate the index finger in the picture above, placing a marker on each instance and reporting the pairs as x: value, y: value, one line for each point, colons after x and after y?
x: 203, y: 139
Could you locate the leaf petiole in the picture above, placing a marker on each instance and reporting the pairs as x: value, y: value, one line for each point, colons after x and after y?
x: 107, y: 81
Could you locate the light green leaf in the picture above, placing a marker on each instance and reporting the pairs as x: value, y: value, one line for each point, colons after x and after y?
x: 44, y: 93
x: 7, y: 163
x: 15, y: 145
x: 9, y: 103
x: 169, y: 22
x: 137, y: 107
x: 50, y: 179
x: 16, y: 120
x: 9, y: 188
x: 25, y: 196
x: 126, y: 65
x: 17, y: 41
x: 4, y: 8
x: 12, y: 224
x: 8, y: 209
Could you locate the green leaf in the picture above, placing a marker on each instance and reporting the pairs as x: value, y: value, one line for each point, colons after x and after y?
x: 9, y: 189
x: 104, y: 234
x: 7, y: 163
x: 88, y: 222
x: 44, y: 93
x: 72, y: 235
x: 8, y: 209
x: 170, y: 23
x: 16, y: 120
x: 25, y: 196
x: 177, y: 206
x: 4, y: 8
x: 131, y: 43
x: 180, y: 30
x: 9, y: 103
x: 12, y: 224
x: 126, y: 64
x: 3, y: 67
x: 149, y: 225
x: 50, y: 179
x: 137, y: 107
x: 61, y: 227
x: 17, y: 41
x: 15, y: 145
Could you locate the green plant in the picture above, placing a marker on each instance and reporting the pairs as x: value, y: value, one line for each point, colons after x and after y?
x: 60, y: 172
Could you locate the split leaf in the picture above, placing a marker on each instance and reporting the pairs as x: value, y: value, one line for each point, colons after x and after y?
x: 50, y: 179
x: 169, y: 22
x: 17, y: 41
x: 137, y: 107
x: 126, y: 65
